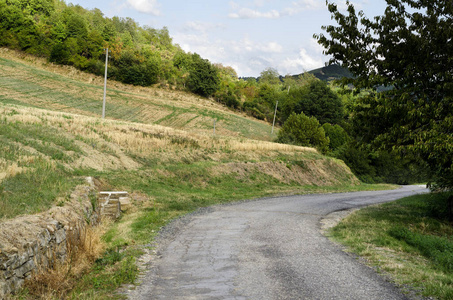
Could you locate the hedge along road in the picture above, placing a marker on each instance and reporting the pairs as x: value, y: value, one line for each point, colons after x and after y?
x: 264, y: 249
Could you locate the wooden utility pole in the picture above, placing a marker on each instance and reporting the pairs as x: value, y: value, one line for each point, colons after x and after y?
x: 105, y: 81
x: 275, y: 113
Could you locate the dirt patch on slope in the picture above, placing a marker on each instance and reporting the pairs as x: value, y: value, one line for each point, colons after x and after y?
x: 308, y: 172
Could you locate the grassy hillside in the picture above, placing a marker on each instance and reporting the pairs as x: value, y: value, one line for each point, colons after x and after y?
x: 42, y: 151
x: 30, y: 81
x: 51, y: 133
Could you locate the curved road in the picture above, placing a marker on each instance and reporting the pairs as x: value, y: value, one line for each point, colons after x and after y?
x: 266, y: 249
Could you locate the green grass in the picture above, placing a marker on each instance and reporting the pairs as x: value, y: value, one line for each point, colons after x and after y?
x: 410, y: 239
x: 39, y: 181
x: 107, y: 275
x: 187, y: 187
x: 34, y: 190
x: 46, y: 140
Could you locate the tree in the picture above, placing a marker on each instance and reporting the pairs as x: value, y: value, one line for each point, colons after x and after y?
x: 304, y: 131
x: 76, y: 27
x: 337, y: 135
x: 203, y: 79
x: 315, y: 99
x: 270, y: 76
x: 320, y: 101
x: 408, y: 49
x: 227, y: 92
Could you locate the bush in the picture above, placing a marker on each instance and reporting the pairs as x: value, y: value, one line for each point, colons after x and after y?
x: 60, y: 54
x: 304, y: 131
x: 228, y: 98
x: 203, y: 79
x: 132, y: 70
x: 336, y: 134
x: 315, y: 100
x: 358, y: 160
x: 373, y: 166
x: 257, y: 110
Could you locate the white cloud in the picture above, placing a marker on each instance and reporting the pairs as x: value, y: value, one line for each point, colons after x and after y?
x: 303, y: 62
x: 246, y: 56
x: 271, y: 47
x: 315, y: 46
x: 146, y: 6
x: 247, y: 13
x: 202, y: 26
x: 357, y: 5
x: 295, y: 8
x: 303, y: 5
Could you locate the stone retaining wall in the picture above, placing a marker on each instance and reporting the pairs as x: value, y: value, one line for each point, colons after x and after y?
x: 31, y: 242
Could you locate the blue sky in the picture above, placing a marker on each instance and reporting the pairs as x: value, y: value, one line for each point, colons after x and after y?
x: 249, y: 35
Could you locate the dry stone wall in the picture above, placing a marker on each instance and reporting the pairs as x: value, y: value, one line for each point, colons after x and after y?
x: 28, y: 243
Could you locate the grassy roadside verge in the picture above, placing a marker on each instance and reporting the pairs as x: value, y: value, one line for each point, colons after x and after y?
x: 173, y: 198
x: 160, y: 198
x: 409, y: 240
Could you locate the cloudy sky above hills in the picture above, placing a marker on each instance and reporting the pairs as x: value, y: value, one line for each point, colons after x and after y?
x: 249, y: 35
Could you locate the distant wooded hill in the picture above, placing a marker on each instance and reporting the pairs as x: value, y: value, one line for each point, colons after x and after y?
x: 327, y: 73
x: 330, y: 73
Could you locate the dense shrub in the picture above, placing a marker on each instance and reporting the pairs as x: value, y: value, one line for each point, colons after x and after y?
x: 227, y: 98
x: 358, y: 160
x: 257, y: 110
x: 379, y: 166
x: 315, y: 99
x: 304, y: 131
x: 203, y: 79
x: 336, y: 134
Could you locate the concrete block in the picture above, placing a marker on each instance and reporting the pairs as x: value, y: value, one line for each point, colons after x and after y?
x: 125, y: 203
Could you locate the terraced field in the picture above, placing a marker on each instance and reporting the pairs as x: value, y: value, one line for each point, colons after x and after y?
x: 30, y: 81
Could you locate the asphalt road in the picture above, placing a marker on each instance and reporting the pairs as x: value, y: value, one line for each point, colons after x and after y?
x: 265, y: 249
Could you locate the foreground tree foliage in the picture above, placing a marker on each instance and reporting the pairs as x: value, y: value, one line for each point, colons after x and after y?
x: 408, y: 49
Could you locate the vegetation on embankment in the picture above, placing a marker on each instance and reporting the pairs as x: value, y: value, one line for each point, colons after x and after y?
x: 409, y: 240
x: 43, y: 150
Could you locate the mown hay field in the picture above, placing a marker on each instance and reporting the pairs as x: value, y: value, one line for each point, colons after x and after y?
x: 31, y: 81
